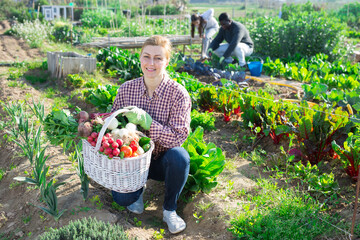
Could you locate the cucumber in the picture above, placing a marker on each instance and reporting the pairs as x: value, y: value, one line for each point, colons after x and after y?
x: 143, y: 141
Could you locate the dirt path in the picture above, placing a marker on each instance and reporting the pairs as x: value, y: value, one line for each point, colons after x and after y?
x: 13, y: 49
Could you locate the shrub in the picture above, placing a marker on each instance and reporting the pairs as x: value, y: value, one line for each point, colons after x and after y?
x: 101, y: 18
x: 350, y: 13
x: 305, y: 34
x: 86, y: 228
x: 288, y: 10
x: 159, y: 10
x: 64, y: 32
x: 34, y: 32
x: 19, y: 10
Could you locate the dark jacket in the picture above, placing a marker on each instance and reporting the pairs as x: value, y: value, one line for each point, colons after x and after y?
x: 235, y: 34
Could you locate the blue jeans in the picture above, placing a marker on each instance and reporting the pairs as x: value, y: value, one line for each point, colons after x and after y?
x: 172, y: 167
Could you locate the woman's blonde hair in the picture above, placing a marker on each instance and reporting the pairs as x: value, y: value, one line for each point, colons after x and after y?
x: 159, y: 41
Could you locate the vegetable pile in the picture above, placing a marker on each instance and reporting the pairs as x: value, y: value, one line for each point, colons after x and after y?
x: 121, y: 139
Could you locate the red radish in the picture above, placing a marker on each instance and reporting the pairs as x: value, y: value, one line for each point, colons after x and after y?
x: 93, y: 143
x: 108, y: 135
x: 90, y: 139
x: 120, y: 142
x: 116, y: 152
x: 111, y: 156
x: 101, y: 149
x: 105, y: 144
x: 115, y: 145
x: 110, y: 140
x: 94, y: 134
x: 104, y: 139
x: 108, y: 151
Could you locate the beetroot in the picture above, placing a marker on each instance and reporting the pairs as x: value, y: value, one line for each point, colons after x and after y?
x: 83, y: 116
x: 85, y: 129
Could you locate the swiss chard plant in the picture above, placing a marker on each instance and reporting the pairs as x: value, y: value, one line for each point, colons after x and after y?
x: 208, y: 99
x: 274, y: 120
x: 102, y: 97
x: 349, y: 154
x: 317, y: 129
x: 250, y: 116
x: 228, y: 102
x: 206, y: 162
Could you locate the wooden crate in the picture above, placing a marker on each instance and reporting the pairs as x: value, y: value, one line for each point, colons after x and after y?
x: 60, y: 64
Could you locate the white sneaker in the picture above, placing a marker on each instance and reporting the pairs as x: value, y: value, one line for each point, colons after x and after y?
x: 138, y: 206
x: 174, y: 222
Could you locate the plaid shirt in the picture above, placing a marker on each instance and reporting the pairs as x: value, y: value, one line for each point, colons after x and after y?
x: 169, y: 108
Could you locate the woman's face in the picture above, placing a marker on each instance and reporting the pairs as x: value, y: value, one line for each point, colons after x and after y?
x: 153, y: 61
x: 196, y: 23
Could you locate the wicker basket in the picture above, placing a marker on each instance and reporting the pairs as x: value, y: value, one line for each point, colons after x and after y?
x: 121, y: 175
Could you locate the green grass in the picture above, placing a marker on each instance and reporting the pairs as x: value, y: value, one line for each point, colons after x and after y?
x: 36, y: 79
x: 2, y: 173
x: 276, y: 213
x: 64, y: 47
x: 15, y: 83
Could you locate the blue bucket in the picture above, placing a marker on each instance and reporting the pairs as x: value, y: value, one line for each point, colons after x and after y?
x: 255, y: 67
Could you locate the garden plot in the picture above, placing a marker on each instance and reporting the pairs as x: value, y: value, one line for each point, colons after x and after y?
x: 12, y: 49
x: 21, y: 219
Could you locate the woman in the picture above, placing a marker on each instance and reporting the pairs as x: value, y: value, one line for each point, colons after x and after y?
x: 205, y: 23
x: 169, y: 105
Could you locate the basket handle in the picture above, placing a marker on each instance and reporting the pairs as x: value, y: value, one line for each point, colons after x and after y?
x: 105, y: 126
x: 254, y: 57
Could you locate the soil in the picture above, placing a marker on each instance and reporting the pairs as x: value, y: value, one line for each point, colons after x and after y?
x: 292, y: 91
x: 21, y: 219
x: 12, y: 49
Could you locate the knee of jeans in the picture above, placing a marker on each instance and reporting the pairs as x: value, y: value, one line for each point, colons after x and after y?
x: 179, y: 157
x: 126, y: 199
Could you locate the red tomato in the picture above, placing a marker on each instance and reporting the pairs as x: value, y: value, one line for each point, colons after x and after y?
x: 135, y: 154
x: 134, y: 146
x: 126, y: 150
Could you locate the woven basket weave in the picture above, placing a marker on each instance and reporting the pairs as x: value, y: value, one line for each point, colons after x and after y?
x: 121, y: 175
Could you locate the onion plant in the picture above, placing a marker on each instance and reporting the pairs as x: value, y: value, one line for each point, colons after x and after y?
x: 17, y: 113
x: 31, y: 142
x: 81, y: 172
x: 48, y: 194
x: 39, y: 111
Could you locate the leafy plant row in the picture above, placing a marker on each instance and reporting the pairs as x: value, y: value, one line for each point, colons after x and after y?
x: 317, y: 69
x: 315, y: 128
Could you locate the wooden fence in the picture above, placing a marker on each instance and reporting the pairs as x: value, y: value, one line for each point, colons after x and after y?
x: 60, y: 64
